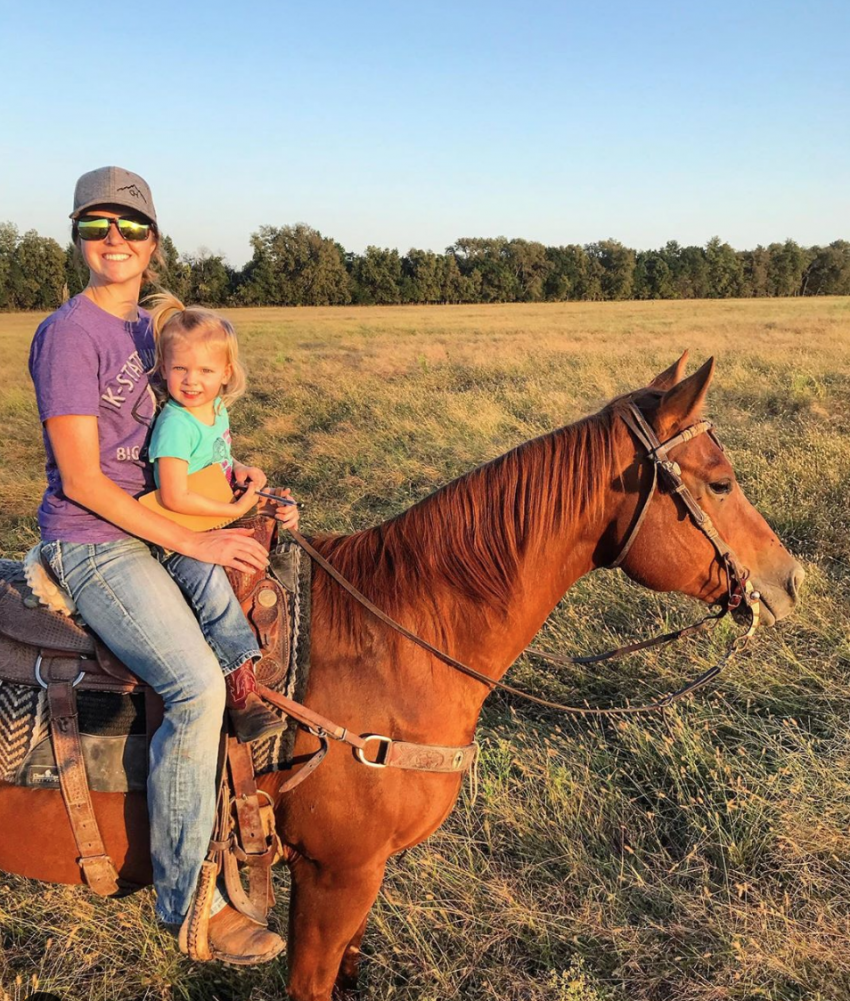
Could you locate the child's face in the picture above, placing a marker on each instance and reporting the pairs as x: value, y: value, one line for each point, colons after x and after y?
x: 194, y: 372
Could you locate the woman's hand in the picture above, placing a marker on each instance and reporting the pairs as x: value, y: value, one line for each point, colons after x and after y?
x: 242, y: 474
x: 229, y: 547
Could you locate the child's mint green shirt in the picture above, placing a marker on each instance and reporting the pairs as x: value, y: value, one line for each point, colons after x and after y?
x: 178, y: 434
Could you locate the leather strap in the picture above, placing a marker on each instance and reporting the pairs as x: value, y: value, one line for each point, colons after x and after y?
x: 638, y: 525
x: 245, y: 796
x: 97, y: 867
x: 661, y: 703
x: 308, y: 768
x: 429, y: 757
x: 194, y: 936
x: 376, y: 750
x: 257, y: 850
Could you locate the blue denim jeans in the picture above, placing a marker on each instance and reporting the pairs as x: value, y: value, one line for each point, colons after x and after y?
x: 128, y: 597
x: 206, y: 587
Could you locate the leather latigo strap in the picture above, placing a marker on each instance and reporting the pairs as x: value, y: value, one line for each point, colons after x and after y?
x: 98, y: 870
x: 376, y: 750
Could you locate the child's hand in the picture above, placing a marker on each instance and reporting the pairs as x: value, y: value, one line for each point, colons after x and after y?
x: 286, y: 514
x: 244, y: 473
x: 247, y: 499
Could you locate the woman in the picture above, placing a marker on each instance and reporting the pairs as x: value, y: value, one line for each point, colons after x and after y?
x: 89, y: 362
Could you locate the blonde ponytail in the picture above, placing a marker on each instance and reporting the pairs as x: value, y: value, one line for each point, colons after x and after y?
x: 163, y: 306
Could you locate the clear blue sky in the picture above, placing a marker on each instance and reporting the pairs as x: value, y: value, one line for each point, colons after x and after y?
x: 412, y: 124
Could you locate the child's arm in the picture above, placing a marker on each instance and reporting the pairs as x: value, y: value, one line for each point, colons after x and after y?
x: 176, y: 495
x: 76, y: 445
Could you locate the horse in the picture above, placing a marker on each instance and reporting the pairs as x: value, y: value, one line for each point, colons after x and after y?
x: 475, y: 569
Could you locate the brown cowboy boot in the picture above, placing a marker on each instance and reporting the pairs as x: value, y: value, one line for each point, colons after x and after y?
x: 240, y: 941
x: 252, y: 719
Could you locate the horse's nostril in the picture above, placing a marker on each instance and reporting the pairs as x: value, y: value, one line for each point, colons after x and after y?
x: 795, y: 581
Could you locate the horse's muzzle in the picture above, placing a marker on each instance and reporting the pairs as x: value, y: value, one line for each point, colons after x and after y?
x: 780, y: 595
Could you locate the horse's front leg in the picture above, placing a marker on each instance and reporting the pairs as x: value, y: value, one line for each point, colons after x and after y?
x: 327, y: 913
x: 346, y: 986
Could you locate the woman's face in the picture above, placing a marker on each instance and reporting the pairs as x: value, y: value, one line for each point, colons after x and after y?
x: 114, y: 260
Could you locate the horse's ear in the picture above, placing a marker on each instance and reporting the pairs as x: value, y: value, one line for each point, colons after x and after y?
x: 671, y: 376
x: 682, y: 405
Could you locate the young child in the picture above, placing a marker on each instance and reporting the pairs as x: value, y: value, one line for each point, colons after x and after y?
x: 197, y: 373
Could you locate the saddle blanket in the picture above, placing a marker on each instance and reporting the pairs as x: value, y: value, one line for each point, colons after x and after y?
x: 112, y: 725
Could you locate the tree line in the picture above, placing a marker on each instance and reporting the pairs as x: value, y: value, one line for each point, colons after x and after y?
x: 297, y: 266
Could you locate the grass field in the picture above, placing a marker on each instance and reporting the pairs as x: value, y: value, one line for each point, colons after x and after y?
x: 699, y: 856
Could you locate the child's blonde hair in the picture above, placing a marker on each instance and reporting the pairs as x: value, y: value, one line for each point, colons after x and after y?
x: 172, y: 321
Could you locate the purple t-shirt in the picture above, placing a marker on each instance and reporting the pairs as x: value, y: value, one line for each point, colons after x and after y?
x: 86, y: 361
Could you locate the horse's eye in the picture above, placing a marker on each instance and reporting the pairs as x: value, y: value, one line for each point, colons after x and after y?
x: 721, y: 487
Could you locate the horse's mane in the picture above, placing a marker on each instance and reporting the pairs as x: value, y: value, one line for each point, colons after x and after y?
x: 472, y: 532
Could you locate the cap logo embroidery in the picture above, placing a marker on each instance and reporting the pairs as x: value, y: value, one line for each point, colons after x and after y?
x: 134, y: 190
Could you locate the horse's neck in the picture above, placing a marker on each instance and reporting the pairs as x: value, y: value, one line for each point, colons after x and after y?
x: 503, y: 546
x: 491, y: 637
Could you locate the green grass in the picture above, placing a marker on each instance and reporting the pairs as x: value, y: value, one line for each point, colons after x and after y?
x: 698, y: 856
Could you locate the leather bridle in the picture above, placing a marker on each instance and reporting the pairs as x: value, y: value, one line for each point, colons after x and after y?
x: 669, y: 473
x: 739, y: 587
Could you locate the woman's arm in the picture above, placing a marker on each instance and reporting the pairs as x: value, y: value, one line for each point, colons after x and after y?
x: 176, y: 495
x: 76, y: 447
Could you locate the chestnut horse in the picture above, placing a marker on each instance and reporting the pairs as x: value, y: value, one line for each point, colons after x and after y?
x: 475, y: 568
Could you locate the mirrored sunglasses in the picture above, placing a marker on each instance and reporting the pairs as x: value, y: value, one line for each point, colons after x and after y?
x: 96, y: 228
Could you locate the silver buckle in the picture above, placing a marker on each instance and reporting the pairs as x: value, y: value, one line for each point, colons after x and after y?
x: 361, y: 757
x: 43, y: 683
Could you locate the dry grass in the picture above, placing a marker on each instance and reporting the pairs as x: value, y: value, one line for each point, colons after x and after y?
x: 698, y: 857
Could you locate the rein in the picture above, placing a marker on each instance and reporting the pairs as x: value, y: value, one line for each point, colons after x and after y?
x: 740, y: 589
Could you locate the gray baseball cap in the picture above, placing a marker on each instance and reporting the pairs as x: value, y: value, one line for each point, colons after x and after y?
x: 113, y: 186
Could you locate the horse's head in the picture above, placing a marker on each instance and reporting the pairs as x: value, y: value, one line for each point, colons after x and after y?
x: 668, y: 552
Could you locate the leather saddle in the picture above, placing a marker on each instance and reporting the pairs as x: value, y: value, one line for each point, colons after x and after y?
x: 42, y: 648
x: 38, y: 646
